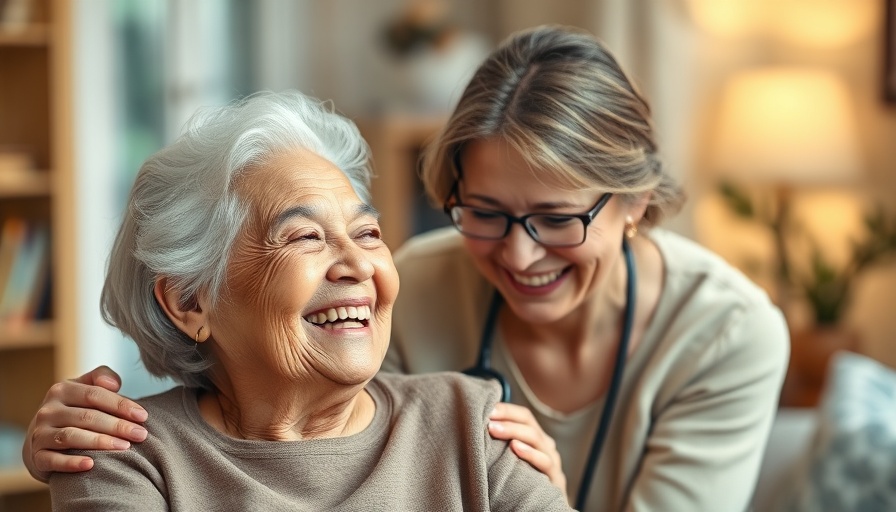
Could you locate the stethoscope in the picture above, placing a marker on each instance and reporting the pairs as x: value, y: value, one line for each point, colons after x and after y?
x: 483, y: 368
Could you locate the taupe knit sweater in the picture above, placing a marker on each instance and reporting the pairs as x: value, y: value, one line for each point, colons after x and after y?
x: 427, y: 448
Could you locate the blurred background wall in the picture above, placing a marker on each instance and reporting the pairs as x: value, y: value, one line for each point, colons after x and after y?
x: 396, y: 66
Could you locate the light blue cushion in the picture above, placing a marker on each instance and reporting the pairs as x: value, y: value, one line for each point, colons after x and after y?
x: 852, y: 465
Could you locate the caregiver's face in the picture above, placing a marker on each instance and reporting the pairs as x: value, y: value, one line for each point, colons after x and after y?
x: 310, y: 284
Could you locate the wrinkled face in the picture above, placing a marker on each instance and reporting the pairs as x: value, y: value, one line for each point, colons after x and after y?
x: 541, y: 284
x: 310, y: 284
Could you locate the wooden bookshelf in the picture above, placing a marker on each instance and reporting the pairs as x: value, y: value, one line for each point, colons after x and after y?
x: 30, y: 183
x: 35, y: 34
x: 35, y: 120
x: 31, y: 335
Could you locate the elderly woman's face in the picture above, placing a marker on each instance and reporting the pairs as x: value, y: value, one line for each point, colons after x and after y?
x: 310, y: 285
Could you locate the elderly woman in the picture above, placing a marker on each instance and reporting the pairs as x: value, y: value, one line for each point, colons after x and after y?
x: 250, y: 267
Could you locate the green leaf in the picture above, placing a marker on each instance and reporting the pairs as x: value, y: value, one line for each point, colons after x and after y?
x: 737, y: 200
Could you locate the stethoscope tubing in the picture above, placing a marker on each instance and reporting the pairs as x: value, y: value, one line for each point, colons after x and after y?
x: 483, y: 368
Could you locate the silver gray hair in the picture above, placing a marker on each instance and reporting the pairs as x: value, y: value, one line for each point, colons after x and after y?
x: 183, y: 214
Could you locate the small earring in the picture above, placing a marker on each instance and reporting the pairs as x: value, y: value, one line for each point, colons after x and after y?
x: 631, y: 228
x: 198, y: 333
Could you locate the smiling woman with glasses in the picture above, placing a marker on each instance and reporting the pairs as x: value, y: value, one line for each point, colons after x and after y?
x: 640, y: 371
x: 637, y: 365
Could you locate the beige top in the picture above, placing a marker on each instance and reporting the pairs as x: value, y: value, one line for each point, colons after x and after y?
x: 427, y: 448
x: 698, y: 395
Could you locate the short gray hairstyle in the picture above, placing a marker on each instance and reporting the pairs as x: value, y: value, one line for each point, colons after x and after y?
x: 183, y: 213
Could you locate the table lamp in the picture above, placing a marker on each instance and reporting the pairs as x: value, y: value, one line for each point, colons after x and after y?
x: 786, y: 127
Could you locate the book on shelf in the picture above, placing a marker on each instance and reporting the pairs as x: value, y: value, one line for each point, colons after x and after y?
x: 27, y: 273
x: 12, y: 235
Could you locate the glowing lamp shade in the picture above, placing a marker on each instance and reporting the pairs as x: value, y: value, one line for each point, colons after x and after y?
x: 820, y: 24
x: 787, y: 126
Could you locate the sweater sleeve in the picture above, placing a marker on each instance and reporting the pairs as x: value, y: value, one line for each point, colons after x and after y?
x: 118, y: 482
x: 706, y: 446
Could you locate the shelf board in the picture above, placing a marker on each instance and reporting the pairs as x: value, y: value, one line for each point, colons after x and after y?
x: 16, y: 480
x: 32, y: 335
x: 24, y: 183
x: 34, y: 34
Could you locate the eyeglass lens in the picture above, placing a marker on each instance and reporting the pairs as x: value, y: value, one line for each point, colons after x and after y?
x: 547, y: 229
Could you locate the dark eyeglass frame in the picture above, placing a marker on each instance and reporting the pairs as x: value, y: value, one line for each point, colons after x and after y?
x: 586, y: 218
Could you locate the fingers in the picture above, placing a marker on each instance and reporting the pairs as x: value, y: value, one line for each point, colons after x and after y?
x: 101, y: 376
x: 84, y: 413
x: 547, y: 463
x: 509, y: 421
x: 71, y: 410
x: 528, y: 441
x: 512, y: 412
x: 56, y: 428
x: 75, y: 394
x: 46, y: 461
x: 45, y: 442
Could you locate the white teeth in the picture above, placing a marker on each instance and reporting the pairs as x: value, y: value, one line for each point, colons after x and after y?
x: 353, y: 316
x: 348, y: 324
x: 541, y: 280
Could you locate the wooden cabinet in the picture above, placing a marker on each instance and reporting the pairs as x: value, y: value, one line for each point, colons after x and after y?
x: 396, y: 141
x: 35, y: 128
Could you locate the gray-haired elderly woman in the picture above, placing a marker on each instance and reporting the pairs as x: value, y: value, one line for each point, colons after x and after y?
x: 249, y: 266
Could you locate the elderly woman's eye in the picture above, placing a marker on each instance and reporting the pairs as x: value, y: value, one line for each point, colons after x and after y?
x: 371, y: 233
x: 305, y: 235
x: 374, y: 233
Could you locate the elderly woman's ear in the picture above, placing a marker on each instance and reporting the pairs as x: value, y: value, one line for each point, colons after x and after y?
x: 187, y: 315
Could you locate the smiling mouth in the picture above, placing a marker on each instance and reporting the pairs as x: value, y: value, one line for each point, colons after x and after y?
x: 539, y: 280
x: 350, y: 317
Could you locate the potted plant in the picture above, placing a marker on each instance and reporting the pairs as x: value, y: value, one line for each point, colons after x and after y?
x: 826, y: 288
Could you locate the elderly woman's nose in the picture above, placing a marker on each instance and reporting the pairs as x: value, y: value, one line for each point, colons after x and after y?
x: 351, y: 262
x: 519, y: 250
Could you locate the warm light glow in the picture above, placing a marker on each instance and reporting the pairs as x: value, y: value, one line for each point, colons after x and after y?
x: 823, y: 24
x: 727, y: 18
x: 833, y: 220
x: 787, y: 125
x: 747, y: 244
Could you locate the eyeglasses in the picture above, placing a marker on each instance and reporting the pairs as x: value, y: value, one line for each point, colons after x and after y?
x: 550, y: 229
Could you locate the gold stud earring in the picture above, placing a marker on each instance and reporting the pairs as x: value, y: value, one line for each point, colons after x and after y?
x: 631, y: 227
